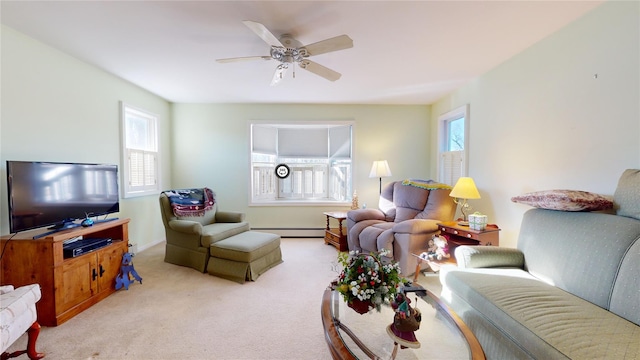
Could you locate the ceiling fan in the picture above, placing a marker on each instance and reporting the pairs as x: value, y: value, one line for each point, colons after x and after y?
x: 289, y: 52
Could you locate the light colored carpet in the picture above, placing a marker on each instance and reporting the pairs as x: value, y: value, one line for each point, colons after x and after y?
x: 179, y: 313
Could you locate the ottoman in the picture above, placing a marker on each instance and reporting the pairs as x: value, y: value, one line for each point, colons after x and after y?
x: 244, y: 256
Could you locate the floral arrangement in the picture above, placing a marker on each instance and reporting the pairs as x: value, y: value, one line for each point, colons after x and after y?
x: 366, y: 281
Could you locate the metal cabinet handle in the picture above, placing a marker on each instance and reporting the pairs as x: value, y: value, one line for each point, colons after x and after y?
x: 94, y: 274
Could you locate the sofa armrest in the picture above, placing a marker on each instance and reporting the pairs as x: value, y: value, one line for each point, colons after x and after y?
x: 186, y: 226
x: 229, y: 216
x: 416, y: 226
x: 365, y: 214
x: 488, y: 256
x: 6, y: 289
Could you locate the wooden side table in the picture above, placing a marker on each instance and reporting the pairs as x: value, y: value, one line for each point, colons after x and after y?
x: 463, y: 235
x: 336, y: 236
x: 459, y: 235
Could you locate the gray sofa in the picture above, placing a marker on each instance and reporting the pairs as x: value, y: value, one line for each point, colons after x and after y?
x: 404, y: 222
x: 571, y: 289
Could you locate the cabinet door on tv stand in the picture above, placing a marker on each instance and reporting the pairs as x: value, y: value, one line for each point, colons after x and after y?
x: 77, y: 283
x: 109, y: 262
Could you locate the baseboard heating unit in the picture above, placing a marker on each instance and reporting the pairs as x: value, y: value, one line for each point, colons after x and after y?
x: 83, y: 246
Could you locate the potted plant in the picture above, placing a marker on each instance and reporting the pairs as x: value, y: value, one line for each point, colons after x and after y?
x: 367, y: 280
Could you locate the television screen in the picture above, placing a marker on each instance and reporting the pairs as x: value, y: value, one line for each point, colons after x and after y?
x: 47, y: 193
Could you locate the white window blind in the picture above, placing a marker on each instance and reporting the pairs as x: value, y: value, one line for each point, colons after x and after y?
x: 303, y: 142
x: 340, y: 142
x: 451, y: 163
x: 140, y: 152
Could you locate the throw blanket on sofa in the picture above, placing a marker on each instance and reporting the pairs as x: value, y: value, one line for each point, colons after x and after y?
x: 190, y: 202
x: 426, y: 184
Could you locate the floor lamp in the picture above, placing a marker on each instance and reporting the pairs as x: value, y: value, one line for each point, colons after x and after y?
x: 379, y: 170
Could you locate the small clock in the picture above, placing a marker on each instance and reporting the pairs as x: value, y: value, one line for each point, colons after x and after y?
x: 282, y: 171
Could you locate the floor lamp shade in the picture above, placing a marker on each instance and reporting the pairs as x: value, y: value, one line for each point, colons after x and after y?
x: 379, y: 170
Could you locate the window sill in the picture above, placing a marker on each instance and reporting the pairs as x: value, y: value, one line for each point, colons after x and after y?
x: 300, y: 203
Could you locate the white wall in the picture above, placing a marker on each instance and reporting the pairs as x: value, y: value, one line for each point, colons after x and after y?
x: 211, y: 148
x: 542, y: 120
x: 57, y: 108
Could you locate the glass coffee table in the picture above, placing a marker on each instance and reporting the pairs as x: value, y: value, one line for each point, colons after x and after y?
x: 442, y: 334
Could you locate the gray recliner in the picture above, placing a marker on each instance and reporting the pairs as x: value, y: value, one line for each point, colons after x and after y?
x: 189, y: 238
x: 405, y: 221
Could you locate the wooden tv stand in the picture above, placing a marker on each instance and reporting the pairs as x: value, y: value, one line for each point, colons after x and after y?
x: 69, y: 286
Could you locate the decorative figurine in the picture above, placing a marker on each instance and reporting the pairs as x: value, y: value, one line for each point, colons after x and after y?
x: 354, y: 201
x: 405, y: 321
x: 123, y: 278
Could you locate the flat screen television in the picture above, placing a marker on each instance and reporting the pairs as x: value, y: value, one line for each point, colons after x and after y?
x: 56, y: 194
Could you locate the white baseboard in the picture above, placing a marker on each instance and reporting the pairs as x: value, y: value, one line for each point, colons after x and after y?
x: 135, y: 248
x: 294, y: 232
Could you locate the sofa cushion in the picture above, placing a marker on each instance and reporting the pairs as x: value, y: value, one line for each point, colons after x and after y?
x: 548, y: 322
x: 565, y: 200
x: 409, y: 201
x: 213, y: 233
x: 554, y: 242
x: 246, y: 247
x: 440, y: 206
x: 369, y: 236
x: 627, y: 194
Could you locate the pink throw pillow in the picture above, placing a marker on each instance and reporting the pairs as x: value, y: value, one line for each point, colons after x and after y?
x: 565, y: 200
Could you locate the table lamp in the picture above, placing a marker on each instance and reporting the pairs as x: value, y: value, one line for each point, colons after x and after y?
x: 380, y: 169
x: 465, y: 189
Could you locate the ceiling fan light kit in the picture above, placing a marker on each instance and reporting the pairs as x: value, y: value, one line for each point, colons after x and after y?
x: 288, y: 50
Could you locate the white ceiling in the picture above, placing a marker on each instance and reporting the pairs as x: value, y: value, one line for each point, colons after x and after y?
x: 405, y: 52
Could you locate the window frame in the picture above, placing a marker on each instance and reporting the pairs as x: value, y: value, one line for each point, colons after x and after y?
x: 269, y: 180
x: 152, y: 153
x: 444, y: 154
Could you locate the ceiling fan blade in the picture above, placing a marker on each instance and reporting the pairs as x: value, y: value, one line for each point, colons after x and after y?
x: 263, y: 32
x: 320, y: 70
x: 279, y: 74
x: 334, y: 44
x: 244, y: 58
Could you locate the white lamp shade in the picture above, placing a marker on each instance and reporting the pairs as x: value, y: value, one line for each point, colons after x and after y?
x: 380, y: 169
x: 465, y: 189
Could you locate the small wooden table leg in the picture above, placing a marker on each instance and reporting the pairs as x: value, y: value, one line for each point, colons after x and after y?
x: 418, y: 263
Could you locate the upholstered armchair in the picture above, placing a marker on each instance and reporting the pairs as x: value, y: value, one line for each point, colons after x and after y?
x: 404, y: 222
x: 17, y: 316
x: 189, y: 238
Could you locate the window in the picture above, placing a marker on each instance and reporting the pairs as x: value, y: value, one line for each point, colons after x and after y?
x: 318, y: 156
x: 453, y: 145
x: 140, y: 152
